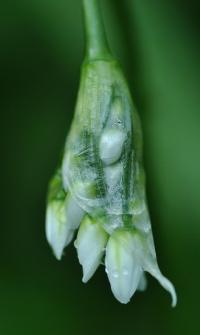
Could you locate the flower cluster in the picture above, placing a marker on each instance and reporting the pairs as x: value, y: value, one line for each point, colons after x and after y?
x: 100, y: 187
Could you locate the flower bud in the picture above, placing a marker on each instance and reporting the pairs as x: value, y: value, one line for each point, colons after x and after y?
x: 111, y: 144
x: 63, y: 216
x: 128, y: 255
x: 58, y: 233
x: 122, y: 267
x: 90, y: 243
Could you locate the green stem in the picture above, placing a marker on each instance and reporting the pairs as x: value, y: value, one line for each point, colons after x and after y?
x: 96, y: 41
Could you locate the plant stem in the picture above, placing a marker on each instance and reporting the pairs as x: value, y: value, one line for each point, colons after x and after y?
x: 96, y: 41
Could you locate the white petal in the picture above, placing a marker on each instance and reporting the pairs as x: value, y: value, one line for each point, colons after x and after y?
x: 111, y: 144
x: 90, y: 244
x: 123, y: 269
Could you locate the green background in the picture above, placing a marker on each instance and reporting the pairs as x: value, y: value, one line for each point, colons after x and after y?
x: 42, y: 47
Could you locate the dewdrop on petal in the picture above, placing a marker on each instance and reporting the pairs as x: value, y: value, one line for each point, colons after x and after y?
x: 100, y: 190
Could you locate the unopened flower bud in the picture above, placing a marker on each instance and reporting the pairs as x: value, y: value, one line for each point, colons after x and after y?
x: 90, y: 243
x: 63, y: 216
x: 57, y: 232
x: 128, y: 255
x: 122, y: 267
x: 111, y: 144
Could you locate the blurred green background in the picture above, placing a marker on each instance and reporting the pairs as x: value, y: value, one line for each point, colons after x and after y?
x: 42, y: 47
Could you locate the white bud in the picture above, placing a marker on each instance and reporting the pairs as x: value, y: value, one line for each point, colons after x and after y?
x: 62, y: 218
x: 57, y: 232
x: 122, y: 267
x: 111, y: 145
x: 90, y: 244
x: 128, y: 254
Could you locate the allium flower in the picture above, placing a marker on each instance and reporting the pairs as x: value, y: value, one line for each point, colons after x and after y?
x: 101, y: 185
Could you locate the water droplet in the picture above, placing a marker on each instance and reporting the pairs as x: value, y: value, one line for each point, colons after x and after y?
x: 106, y: 270
x: 146, y: 229
x: 76, y: 244
x: 115, y: 274
x: 125, y: 272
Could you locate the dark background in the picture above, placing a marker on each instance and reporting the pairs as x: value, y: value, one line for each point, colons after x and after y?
x: 42, y: 47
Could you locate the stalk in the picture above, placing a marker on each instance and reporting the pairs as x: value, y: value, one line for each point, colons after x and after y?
x: 96, y: 41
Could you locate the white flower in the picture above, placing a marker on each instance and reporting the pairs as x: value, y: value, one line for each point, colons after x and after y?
x: 90, y: 244
x: 128, y: 255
